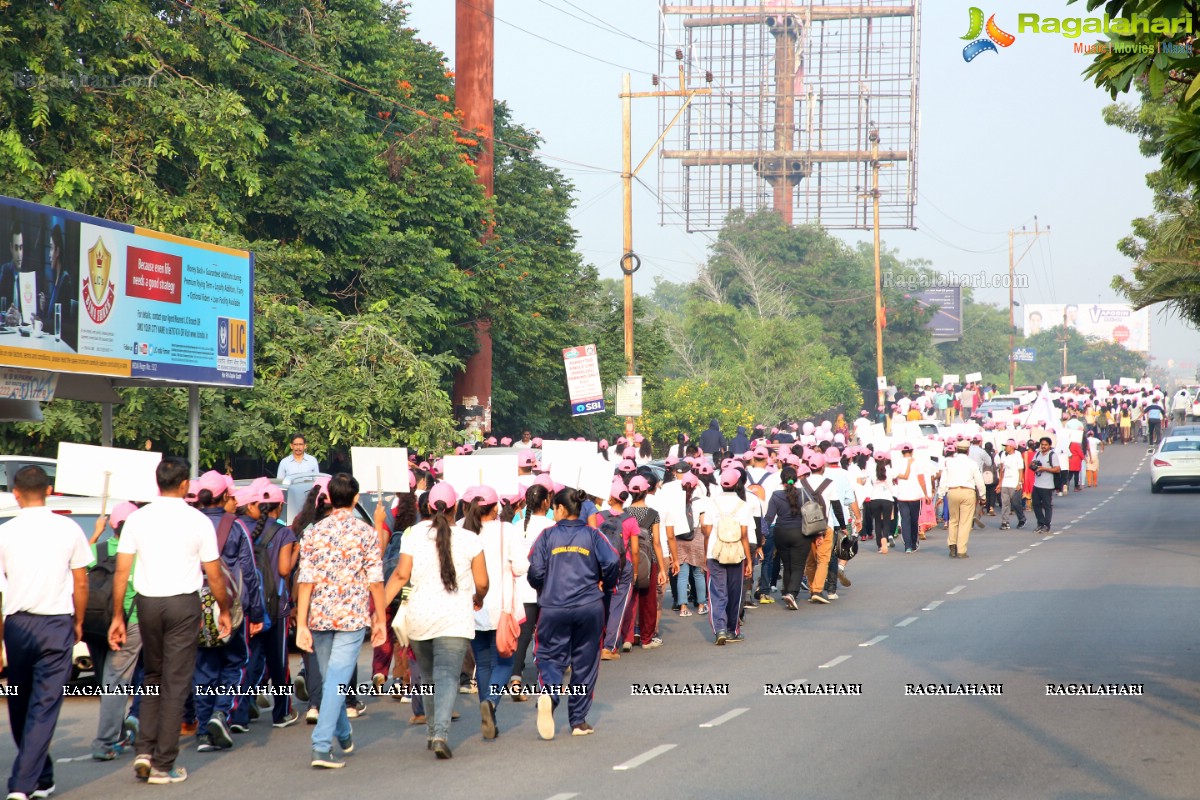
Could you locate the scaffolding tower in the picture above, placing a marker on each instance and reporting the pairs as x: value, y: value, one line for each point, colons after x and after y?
x: 798, y: 89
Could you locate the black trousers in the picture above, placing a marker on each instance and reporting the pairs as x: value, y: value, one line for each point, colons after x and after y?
x: 170, y: 630
x: 531, y: 618
x: 1043, y: 506
x: 792, y: 546
x: 38, y: 647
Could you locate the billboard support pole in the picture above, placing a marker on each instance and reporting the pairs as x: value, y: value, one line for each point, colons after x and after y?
x: 194, y: 429
x: 1012, y: 279
x: 106, y: 424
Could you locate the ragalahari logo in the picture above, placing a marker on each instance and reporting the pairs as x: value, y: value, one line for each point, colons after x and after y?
x: 995, y: 36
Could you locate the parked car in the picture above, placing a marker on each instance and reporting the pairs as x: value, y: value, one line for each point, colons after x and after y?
x: 1176, y: 462
x: 984, y: 412
x: 13, y: 464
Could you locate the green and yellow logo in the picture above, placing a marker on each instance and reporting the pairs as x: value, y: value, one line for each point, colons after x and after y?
x: 995, y: 36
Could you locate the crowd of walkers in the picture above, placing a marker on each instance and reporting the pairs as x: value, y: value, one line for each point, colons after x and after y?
x: 187, y: 607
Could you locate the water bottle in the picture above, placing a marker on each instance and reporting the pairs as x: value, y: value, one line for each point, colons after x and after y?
x: 58, y: 322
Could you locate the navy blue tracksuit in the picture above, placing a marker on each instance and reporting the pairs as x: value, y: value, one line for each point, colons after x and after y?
x: 567, y: 564
x: 39, y: 665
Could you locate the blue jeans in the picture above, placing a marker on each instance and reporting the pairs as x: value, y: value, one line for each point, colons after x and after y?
x: 686, y: 572
x: 441, y: 661
x: 491, y: 669
x: 337, y: 654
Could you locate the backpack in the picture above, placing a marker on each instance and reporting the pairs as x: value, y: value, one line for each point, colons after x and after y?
x: 641, y: 578
x: 210, y: 635
x: 729, y: 548
x: 268, y: 572
x: 97, y: 615
x: 756, y: 487
x: 812, y: 510
x: 610, y: 526
x: 690, y: 533
x: 391, y: 556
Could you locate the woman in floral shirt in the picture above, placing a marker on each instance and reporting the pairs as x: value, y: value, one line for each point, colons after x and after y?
x: 340, y: 568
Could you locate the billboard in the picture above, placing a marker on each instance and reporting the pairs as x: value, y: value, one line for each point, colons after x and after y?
x: 90, y: 296
x: 946, y: 325
x: 583, y: 380
x: 1109, y: 322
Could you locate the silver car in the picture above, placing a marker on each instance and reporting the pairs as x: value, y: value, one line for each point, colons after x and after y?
x: 1176, y: 462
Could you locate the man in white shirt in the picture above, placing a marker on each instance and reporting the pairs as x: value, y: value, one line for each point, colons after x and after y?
x: 862, y: 426
x: 1011, y: 466
x: 299, y: 462
x: 176, y: 548
x: 962, y: 482
x: 43, y: 582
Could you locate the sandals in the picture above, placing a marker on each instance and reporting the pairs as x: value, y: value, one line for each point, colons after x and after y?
x: 702, y: 609
x: 685, y: 612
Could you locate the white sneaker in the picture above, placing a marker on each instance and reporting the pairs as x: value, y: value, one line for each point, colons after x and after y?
x: 545, y: 716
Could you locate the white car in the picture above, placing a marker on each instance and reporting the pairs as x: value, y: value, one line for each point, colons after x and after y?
x: 1176, y: 462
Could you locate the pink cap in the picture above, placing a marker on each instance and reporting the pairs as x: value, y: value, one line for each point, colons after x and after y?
x: 802, y: 470
x: 537, y: 441
x: 486, y: 495
x: 815, y: 461
x: 629, y: 452
x: 468, y: 449
x: 621, y: 441
x: 832, y: 456
x: 491, y: 441
x: 638, y: 438
x: 882, y: 457
x: 1011, y: 443
x: 604, y: 444
x: 120, y: 513
x: 730, y: 478
x: 506, y: 441
x: 863, y: 413
x: 213, y: 481
x: 423, y: 465
x: 670, y: 461
x: 545, y: 480
x: 618, y: 488
x: 436, y: 467
x: 705, y: 468
x: 442, y: 494
x: 272, y: 494
x: 977, y: 438
x: 689, y: 480
x: 412, y: 480
x: 727, y: 463
x: 627, y: 466
x: 322, y: 483
x: 839, y: 438
x: 460, y: 451
x: 760, y: 452
x: 639, y: 484
x: 247, y: 495
x: 527, y: 459
x: 904, y: 446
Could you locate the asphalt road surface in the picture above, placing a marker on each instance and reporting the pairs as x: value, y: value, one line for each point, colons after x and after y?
x: 1109, y: 598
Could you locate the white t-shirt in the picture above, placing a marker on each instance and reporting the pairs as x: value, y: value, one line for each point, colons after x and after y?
x: 1014, y: 464
x: 503, y: 565
x: 880, y: 489
x: 908, y: 488
x: 171, y: 540
x: 432, y: 611
x: 714, y: 507
x: 38, y: 550
x: 1093, y: 453
x: 537, y: 524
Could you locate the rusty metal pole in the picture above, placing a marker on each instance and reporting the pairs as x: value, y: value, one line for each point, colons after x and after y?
x: 785, y: 113
x: 627, y: 225
x: 474, y: 68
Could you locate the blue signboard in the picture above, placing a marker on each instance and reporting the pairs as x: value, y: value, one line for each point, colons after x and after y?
x: 87, y: 295
x: 1025, y: 355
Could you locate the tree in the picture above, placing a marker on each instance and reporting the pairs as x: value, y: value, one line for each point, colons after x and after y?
x: 984, y: 343
x: 1088, y: 359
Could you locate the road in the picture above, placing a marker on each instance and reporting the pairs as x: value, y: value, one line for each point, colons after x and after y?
x: 1109, y: 598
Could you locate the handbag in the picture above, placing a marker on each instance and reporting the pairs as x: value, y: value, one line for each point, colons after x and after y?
x: 400, y: 624
x: 508, y: 629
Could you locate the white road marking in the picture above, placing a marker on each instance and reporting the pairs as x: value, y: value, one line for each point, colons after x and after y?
x: 563, y: 796
x: 1010, y: 558
x: 956, y: 589
x: 637, y: 761
x: 904, y: 623
x: 934, y: 604
x: 834, y: 662
x: 728, y: 715
x: 1022, y: 552
x: 994, y: 566
x: 976, y: 577
x: 1035, y: 544
x: 69, y: 760
x: 870, y: 642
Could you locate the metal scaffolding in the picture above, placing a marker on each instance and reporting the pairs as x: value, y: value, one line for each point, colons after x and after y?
x: 797, y: 89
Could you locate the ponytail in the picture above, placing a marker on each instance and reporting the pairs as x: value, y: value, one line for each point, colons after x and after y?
x: 441, y: 526
x: 507, y: 510
x: 572, y: 500
x: 880, y: 471
x: 535, y: 500
x: 789, y: 476
x: 471, y: 516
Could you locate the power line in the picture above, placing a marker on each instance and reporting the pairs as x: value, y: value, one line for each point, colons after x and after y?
x: 604, y: 26
x: 925, y: 197
x: 926, y: 230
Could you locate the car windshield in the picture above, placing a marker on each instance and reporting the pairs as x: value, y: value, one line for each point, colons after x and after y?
x: 11, y: 468
x: 1183, y: 446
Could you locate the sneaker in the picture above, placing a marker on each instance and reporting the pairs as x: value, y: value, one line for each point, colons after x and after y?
x: 963, y: 555
x: 301, y: 686
x: 107, y: 754
x: 722, y: 637
x: 141, y: 766
x: 464, y: 684
x: 684, y: 611
x: 514, y: 686
x: 653, y: 643
x: 346, y: 743
x: 1046, y: 529
x: 378, y: 679
x: 416, y: 719
x: 326, y: 760
x: 735, y: 638
x: 819, y: 597
x: 545, y: 716
x: 131, y: 729
x: 218, y: 729
x: 609, y: 655
x: 188, y: 728
x: 1020, y: 524
x: 790, y: 602
x: 252, y: 712
x: 291, y: 719
x: 1004, y: 526
x: 766, y: 600
x: 160, y: 778
x: 238, y: 727
x: 908, y: 551
x: 843, y: 578
x: 582, y: 729
x: 356, y: 709
x: 627, y: 647
x: 487, y: 716
x: 311, y: 716
x: 804, y: 586
x: 264, y: 701
x: 17, y: 796
x: 441, y: 749
x: 204, y: 744
x: 831, y: 595
x: 42, y: 792
x: 703, y: 609
x: 750, y: 603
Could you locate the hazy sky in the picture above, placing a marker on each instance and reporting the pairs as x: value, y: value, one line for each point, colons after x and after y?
x: 1005, y: 137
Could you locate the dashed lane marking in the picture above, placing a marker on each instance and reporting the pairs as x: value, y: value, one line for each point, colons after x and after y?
x: 637, y: 761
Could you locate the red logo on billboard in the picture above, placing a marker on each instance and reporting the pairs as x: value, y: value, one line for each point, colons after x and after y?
x: 98, y: 292
x: 1121, y: 334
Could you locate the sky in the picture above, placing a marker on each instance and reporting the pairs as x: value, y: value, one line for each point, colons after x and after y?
x: 1007, y: 137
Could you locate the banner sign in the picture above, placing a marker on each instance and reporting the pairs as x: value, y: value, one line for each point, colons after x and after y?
x: 946, y: 302
x: 1025, y: 355
x: 104, y: 298
x: 1108, y: 322
x: 583, y: 380
x: 27, y: 384
x: 629, y: 396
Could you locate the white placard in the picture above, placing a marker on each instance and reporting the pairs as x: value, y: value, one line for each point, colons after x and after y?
x: 498, y: 472
x: 1128, y: 383
x: 1068, y: 380
x: 380, y: 469
x: 1028, y: 398
x: 923, y: 382
x: 629, y: 396
x: 556, y: 449
x: 82, y: 469
x: 593, y: 474
x: 974, y: 377
x: 948, y: 378
x: 881, y: 383
x: 583, y: 380
x: 1002, y: 415
x: 28, y: 295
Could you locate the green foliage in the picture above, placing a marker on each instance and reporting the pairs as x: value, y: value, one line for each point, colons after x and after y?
x: 1089, y: 359
x: 687, y: 406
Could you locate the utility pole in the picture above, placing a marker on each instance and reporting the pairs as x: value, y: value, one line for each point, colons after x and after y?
x: 1012, y: 280
x: 1066, y: 337
x: 881, y: 399
x: 629, y: 259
